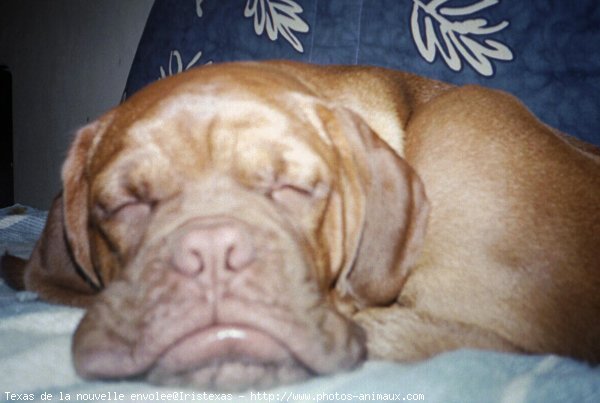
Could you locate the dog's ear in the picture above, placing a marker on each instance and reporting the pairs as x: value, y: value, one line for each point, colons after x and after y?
x: 76, y: 193
x: 392, y: 219
x: 51, y: 271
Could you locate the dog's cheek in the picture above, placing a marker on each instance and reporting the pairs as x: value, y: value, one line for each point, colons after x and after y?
x: 130, y: 224
x: 104, y: 259
x: 118, y: 238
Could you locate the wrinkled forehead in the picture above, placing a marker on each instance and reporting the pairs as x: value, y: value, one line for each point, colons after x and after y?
x: 231, y: 128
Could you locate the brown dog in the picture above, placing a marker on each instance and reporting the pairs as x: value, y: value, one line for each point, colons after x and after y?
x: 248, y: 224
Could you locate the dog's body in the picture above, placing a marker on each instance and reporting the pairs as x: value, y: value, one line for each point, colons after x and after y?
x: 251, y: 223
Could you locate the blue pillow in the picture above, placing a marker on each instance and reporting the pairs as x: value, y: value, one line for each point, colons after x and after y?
x: 543, y: 51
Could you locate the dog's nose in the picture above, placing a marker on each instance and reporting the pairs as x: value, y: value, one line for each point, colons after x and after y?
x: 213, y: 247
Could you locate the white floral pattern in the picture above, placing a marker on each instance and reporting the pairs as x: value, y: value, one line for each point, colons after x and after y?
x: 277, y: 17
x: 453, y: 38
x: 176, y: 63
x: 437, y: 27
x: 199, y: 11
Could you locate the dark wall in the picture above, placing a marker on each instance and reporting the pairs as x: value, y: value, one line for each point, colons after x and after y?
x: 6, y: 146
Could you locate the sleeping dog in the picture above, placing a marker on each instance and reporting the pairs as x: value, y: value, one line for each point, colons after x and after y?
x: 250, y: 224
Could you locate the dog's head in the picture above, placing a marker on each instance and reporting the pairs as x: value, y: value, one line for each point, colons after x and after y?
x: 235, y: 221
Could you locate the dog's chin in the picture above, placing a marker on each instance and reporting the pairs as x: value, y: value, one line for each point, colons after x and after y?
x: 227, y: 358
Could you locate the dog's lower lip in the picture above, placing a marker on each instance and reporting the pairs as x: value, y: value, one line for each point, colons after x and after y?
x: 223, y: 343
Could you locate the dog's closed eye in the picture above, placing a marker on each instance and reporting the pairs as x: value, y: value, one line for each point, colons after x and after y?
x: 287, y: 193
x: 292, y: 196
x: 131, y: 212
